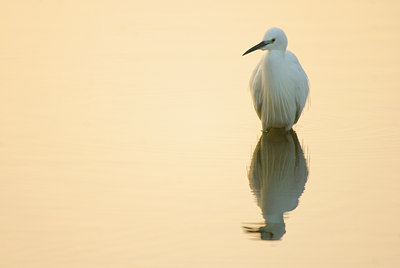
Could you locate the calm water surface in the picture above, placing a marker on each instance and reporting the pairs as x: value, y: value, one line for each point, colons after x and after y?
x: 128, y: 137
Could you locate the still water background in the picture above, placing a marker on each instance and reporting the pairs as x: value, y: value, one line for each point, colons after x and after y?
x: 127, y: 134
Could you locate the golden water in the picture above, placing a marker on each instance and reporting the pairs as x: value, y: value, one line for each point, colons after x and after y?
x: 127, y: 134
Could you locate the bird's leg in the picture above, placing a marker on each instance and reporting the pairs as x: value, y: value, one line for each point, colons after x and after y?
x: 277, y: 131
x: 288, y: 130
x: 266, y: 130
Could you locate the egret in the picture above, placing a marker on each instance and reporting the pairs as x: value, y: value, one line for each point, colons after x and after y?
x: 278, y: 85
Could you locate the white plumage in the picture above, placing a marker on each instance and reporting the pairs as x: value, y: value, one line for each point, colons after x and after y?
x: 278, y: 85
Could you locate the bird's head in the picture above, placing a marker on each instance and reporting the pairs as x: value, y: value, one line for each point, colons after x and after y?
x: 274, y: 39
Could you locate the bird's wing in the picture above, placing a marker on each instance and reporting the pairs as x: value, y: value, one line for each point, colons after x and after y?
x: 301, y: 83
x: 256, y: 88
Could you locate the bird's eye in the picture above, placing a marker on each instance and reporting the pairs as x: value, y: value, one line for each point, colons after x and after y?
x: 273, y: 40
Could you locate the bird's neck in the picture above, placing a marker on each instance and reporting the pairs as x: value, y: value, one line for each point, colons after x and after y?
x: 274, y: 218
x: 280, y: 52
x: 274, y: 58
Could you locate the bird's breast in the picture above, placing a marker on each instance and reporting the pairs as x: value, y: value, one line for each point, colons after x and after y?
x: 279, y: 107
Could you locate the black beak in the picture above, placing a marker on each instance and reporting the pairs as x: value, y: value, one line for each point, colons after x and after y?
x: 258, y: 46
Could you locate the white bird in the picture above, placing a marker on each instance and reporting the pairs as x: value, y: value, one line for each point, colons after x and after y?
x: 279, y: 85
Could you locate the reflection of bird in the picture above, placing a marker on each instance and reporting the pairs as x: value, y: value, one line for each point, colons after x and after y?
x: 277, y: 177
x: 279, y: 85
